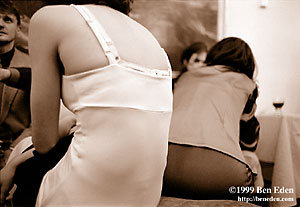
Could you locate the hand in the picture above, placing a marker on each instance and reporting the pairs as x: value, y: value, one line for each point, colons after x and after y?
x: 8, y: 172
x: 6, y: 181
x: 4, y: 74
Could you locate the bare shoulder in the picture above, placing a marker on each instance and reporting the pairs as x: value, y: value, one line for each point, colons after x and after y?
x: 50, y: 23
x: 46, y: 29
x: 48, y: 15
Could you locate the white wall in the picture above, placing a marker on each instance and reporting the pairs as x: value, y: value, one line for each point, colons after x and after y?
x: 273, y: 33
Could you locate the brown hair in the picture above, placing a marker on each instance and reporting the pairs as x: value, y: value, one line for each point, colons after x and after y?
x: 7, y: 7
x: 232, y: 52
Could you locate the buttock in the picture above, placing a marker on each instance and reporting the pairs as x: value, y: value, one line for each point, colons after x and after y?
x: 203, y: 173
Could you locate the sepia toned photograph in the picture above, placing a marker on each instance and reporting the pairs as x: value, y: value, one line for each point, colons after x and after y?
x: 145, y: 103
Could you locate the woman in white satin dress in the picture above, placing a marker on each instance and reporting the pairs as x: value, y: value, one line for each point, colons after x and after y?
x: 113, y: 75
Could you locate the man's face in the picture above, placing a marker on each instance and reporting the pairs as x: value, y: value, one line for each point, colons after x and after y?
x: 8, y: 27
x: 196, y: 61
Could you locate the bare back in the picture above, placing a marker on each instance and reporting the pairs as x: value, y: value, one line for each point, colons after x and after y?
x: 134, y: 43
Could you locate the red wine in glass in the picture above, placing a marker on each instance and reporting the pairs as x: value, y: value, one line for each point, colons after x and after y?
x: 278, y: 103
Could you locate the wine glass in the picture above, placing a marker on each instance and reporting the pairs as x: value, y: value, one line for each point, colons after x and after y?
x: 278, y: 103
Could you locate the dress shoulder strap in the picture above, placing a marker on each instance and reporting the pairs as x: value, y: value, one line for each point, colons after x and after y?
x: 104, y: 40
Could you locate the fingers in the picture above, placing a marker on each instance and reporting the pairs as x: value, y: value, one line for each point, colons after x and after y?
x: 2, y: 196
x: 4, y: 193
x: 5, y: 186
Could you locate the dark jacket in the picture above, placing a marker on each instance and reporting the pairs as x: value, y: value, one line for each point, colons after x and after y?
x: 15, y: 106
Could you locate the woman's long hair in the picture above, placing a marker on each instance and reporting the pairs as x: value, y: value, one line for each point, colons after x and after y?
x: 234, y: 53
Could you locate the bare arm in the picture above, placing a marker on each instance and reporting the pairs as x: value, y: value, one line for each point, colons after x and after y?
x: 45, y: 93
